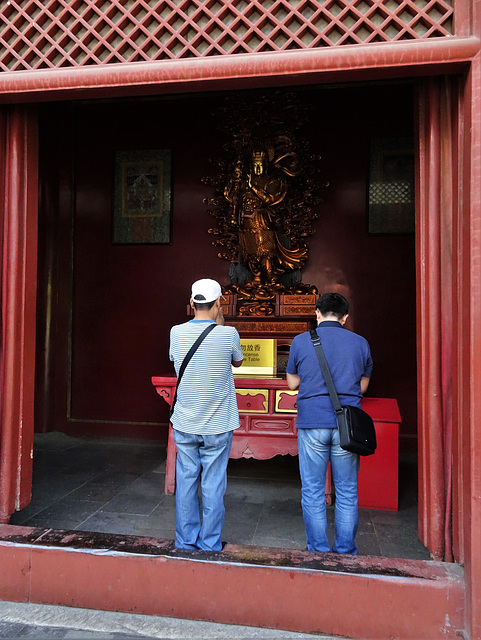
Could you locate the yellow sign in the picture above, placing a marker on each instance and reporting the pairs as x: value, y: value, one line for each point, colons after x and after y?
x: 260, y: 357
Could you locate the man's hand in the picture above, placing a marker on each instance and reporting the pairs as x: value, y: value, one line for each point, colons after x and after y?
x: 364, y: 384
x: 293, y: 381
x: 220, y: 316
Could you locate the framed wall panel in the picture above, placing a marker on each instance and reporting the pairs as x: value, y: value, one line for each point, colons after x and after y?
x: 142, y: 197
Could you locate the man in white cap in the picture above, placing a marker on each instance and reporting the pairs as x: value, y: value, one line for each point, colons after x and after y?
x: 204, y: 418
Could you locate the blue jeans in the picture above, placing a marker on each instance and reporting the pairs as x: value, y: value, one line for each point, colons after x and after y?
x: 316, y: 448
x: 200, y: 459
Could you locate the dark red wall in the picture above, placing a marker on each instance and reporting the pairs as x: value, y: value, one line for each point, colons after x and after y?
x: 377, y: 273
x: 113, y: 305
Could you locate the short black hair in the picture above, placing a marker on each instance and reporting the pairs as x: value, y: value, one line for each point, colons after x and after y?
x: 203, y: 306
x: 332, y: 303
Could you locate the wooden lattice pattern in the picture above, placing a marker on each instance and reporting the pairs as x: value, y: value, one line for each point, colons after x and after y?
x: 41, y: 34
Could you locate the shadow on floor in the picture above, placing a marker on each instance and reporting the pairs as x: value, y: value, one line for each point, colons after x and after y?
x: 117, y: 486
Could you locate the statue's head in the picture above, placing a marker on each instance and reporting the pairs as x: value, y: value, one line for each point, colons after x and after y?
x: 259, y: 161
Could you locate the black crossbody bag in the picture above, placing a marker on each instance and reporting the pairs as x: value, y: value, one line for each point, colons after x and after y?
x: 185, y: 361
x: 356, y: 428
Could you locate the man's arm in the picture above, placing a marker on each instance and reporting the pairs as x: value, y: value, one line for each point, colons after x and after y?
x: 293, y: 381
x: 237, y: 352
x: 364, y: 384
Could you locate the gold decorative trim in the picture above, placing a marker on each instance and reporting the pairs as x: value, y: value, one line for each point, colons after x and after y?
x: 280, y: 395
x: 253, y: 393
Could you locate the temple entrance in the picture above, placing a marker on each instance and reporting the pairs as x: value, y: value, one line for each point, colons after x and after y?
x: 442, y: 338
x: 102, y: 322
x: 108, y: 327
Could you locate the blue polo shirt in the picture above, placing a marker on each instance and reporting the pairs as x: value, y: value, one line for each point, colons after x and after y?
x: 349, y: 358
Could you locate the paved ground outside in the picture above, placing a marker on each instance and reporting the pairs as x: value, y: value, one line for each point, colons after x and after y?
x: 45, y: 622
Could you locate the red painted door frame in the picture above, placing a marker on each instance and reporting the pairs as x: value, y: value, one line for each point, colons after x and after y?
x: 18, y: 307
x: 439, y: 119
x: 449, y: 271
x: 468, y: 453
x: 448, y: 244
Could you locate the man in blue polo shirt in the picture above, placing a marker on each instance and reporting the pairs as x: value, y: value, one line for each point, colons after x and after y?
x: 204, y: 418
x: 349, y: 358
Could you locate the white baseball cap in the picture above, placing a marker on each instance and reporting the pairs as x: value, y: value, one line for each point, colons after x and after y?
x: 206, y: 290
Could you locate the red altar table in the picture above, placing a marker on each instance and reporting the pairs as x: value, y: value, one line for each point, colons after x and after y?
x: 267, y: 411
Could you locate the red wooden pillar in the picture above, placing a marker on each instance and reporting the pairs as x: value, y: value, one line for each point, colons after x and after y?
x: 437, y: 212
x: 18, y: 288
x: 470, y: 474
x: 449, y: 326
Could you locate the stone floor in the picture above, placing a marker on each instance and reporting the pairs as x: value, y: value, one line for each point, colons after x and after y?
x: 117, y: 486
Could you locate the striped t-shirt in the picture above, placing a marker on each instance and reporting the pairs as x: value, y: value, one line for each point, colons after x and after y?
x: 206, y: 401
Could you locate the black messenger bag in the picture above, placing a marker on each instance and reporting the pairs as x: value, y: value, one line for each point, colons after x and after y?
x: 356, y: 428
x: 356, y: 431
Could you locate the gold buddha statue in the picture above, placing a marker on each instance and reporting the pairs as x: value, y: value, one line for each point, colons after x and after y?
x: 253, y: 195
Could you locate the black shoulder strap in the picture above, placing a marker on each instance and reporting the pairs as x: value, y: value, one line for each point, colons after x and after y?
x: 316, y: 341
x: 187, y: 358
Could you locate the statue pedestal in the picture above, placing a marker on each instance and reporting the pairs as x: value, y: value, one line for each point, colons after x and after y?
x: 277, y: 327
x: 282, y: 305
x: 265, y: 303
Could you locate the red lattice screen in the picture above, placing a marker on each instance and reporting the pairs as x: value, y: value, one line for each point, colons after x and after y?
x: 39, y: 34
